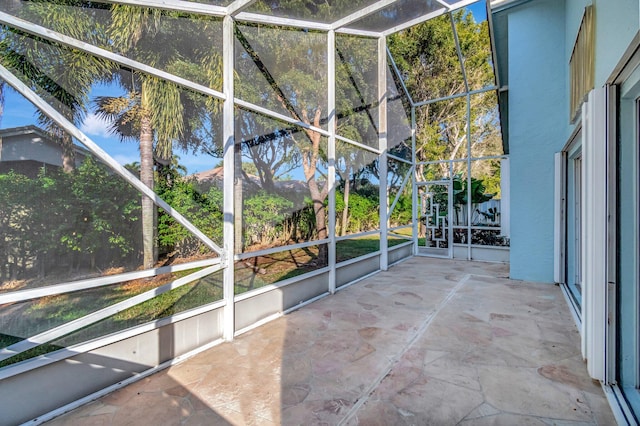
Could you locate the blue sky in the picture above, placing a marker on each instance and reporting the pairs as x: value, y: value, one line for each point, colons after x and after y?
x: 19, y: 112
x: 479, y: 10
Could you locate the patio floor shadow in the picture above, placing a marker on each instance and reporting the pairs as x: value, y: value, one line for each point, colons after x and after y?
x: 429, y: 342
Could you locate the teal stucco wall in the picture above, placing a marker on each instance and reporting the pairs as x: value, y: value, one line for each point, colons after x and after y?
x: 538, y: 127
x: 541, y: 38
x: 617, y: 21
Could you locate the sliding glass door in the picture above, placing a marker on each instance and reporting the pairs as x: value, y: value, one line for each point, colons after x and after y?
x: 628, y: 294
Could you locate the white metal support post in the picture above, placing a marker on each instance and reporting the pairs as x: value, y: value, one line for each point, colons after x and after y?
x: 229, y: 178
x: 469, y: 208
x: 414, y: 187
x: 463, y: 69
x: 559, y: 214
x: 382, y: 140
x: 331, y: 178
x: 594, y: 231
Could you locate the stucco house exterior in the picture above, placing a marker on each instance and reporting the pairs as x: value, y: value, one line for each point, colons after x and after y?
x: 568, y: 81
x: 27, y: 149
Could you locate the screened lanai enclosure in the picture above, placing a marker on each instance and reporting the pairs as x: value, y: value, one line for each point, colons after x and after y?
x: 174, y: 173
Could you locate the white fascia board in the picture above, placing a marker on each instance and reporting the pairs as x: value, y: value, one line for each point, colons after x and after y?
x: 279, y: 21
x: 361, y: 13
x: 461, y: 4
x: 177, y: 5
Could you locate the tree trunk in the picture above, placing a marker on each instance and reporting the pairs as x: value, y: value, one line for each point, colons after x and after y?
x: 150, y: 252
x: 238, y: 200
x: 321, y: 221
x: 68, y: 154
x: 345, y: 212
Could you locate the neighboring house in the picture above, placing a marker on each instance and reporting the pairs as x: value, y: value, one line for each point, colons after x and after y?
x: 215, y: 177
x: 27, y: 149
x: 569, y: 81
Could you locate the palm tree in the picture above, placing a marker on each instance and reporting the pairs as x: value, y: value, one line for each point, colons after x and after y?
x: 60, y: 75
x: 156, y: 112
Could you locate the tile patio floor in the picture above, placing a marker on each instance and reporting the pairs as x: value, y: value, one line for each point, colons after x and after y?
x: 430, y: 342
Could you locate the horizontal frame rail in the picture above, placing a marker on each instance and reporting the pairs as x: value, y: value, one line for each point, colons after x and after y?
x: 68, y: 287
x: 358, y: 235
x: 59, y: 355
x: 92, y: 318
x: 265, y: 252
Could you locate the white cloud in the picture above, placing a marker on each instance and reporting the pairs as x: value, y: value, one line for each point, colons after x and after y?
x: 96, y: 126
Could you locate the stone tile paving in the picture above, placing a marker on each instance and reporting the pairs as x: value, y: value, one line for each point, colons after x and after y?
x: 430, y: 342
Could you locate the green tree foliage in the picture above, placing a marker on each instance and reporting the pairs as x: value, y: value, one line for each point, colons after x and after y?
x: 101, y: 212
x: 284, y: 69
x: 156, y: 112
x: 427, y: 57
x: 265, y: 217
x: 55, y: 219
x: 62, y: 76
x: 204, y: 208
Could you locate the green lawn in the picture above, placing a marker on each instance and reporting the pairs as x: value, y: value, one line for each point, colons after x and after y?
x: 29, y: 318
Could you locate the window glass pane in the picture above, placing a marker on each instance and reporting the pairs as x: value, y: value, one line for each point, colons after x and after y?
x: 427, y: 58
x: 327, y: 11
x: 281, y: 180
x: 357, y: 89
x: 356, y: 247
x: 283, y: 69
x: 189, y: 296
x: 488, y: 237
x: 259, y: 271
x: 485, y: 209
x: 486, y: 133
x: 358, y: 190
x: 186, y: 45
x: 396, y: 14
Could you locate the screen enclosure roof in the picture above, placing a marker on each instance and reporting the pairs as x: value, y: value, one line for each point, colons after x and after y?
x: 359, y: 17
